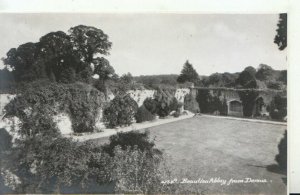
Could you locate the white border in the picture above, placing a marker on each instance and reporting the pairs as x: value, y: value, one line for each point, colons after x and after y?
x: 200, y: 6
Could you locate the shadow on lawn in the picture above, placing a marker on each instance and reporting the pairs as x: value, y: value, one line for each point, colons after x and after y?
x: 281, y: 159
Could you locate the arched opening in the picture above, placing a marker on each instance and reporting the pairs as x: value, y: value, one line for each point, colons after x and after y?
x: 235, y: 108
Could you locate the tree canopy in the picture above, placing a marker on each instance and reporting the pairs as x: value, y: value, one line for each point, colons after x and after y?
x: 188, y: 74
x: 281, y: 36
x: 62, y: 57
x: 247, y: 78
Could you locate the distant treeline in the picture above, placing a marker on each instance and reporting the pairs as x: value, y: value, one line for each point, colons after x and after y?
x: 265, y: 77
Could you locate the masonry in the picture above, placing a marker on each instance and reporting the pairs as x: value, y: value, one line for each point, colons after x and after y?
x: 233, y: 100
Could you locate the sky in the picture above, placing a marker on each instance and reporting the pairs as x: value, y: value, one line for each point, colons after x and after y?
x: 147, y: 44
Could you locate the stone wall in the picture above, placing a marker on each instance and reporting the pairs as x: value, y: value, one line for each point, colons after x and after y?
x: 232, y: 98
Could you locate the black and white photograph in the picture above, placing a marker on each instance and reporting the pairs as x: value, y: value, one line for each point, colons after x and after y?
x: 143, y: 103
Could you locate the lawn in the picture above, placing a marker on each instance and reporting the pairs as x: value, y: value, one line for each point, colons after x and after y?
x: 206, y: 147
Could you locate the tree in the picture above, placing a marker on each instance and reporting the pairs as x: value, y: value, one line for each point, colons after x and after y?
x: 89, y: 41
x: 105, y: 71
x: 264, y: 72
x: 62, y: 57
x: 188, y: 73
x: 246, y: 78
x: 281, y: 36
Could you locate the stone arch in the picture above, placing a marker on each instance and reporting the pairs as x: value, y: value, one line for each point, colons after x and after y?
x: 235, y: 107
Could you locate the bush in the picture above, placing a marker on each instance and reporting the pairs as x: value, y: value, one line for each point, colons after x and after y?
x: 191, y: 104
x: 43, y: 99
x: 151, y: 105
x: 133, y: 138
x: 248, y: 98
x: 281, y: 158
x: 209, y: 103
x: 143, y: 115
x: 46, y: 164
x: 278, y: 107
x: 121, y: 111
x: 164, y: 99
x: 175, y: 105
x: 136, y: 172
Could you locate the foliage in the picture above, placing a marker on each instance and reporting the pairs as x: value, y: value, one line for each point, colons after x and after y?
x: 246, y: 79
x: 165, y: 102
x: 208, y: 102
x: 281, y: 36
x: 274, y: 85
x: 151, y: 105
x: 188, y: 73
x: 191, y: 104
x: 143, y: 115
x: 36, y: 105
x: 121, y: 111
x: 283, y: 76
x: 265, y: 72
x: 278, y: 107
x: 135, y: 171
x: 281, y: 158
x: 154, y: 81
x: 105, y: 72
x: 130, y: 139
x: 248, y: 98
x: 220, y: 80
x: 52, y: 164
x: 6, y: 79
x: 175, y: 105
x: 61, y: 57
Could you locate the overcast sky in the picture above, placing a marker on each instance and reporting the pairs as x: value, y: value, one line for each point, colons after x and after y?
x: 146, y: 44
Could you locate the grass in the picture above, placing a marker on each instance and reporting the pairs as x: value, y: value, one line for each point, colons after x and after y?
x: 206, y: 147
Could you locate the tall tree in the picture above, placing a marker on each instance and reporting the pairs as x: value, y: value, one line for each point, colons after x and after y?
x: 60, y: 56
x: 281, y: 36
x: 246, y: 78
x: 188, y: 74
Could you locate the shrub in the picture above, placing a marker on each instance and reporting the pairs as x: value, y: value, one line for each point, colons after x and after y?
x: 191, y: 104
x: 248, y: 98
x: 151, y: 105
x: 80, y: 101
x: 121, y: 111
x: 281, y: 158
x: 175, y: 105
x: 209, y: 103
x: 48, y: 164
x: 132, y: 138
x: 278, y: 107
x: 203, y: 99
x: 135, y: 171
x: 164, y: 99
x: 143, y: 115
